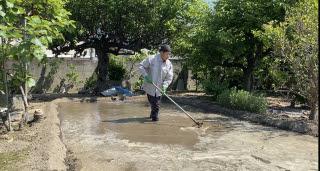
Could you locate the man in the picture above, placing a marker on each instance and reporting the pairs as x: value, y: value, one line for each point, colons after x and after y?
x: 156, y: 69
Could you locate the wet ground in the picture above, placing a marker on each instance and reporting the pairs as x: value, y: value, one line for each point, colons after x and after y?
x: 120, y: 136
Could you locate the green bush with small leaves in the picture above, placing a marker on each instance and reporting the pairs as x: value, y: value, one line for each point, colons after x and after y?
x: 243, y: 100
x: 91, y: 80
x: 72, y: 77
x: 214, y: 88
x: 138, y: 84
x: 117, y: 70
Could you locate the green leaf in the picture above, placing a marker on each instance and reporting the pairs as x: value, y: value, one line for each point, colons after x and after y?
x: 31, y: 82
x: 21, y: 10
x: 17, y: 35
x: 10, y: 28
x: 70, y: 29
x: 38, y: 56
x: 16, y: 82
x: 2, y: 14
x: 28, y: 75
x: 49, y: 38
x: 24, y: 59
x: 41, y: 32
x: 14, y: 50
x: 36, y: 19
x: 3, y: 34
x: 11, y: 18
x: 47, y: 27
x: 16, y: 66
x: 16, y: 10
x: 36, y: 41
x: 9, y: 4
x: 9, y: 141
x: 25, y: 45
x: 72, y: 66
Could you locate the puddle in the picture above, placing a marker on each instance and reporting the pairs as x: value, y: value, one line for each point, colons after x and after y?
x: 130, y: 121
x: 120, y: 136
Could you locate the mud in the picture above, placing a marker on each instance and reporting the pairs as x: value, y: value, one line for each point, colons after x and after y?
x: 120, y: 136
x: 226, y: 144
x: 296, y: 124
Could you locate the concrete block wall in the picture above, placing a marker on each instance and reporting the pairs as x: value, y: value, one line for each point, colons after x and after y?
x: 85, y: 67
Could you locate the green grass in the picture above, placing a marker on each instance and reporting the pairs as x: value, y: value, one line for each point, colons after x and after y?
x: 7, y: 160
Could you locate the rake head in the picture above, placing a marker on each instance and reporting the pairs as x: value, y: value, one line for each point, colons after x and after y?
x: 199, y: 124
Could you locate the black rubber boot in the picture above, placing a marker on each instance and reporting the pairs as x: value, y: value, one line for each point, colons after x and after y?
x: 155, y: 117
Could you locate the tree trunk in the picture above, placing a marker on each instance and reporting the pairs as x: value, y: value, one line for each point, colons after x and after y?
x: 102, y: 69
x: 6, y: 88
x: 314, y: 109
x: 247, y: 74
x: 252, y: 60
x: 26, y: 107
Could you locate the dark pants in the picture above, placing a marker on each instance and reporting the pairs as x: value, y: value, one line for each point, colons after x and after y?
x: 155, y: 104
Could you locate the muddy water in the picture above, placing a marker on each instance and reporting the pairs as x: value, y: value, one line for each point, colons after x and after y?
x: 120, y: 136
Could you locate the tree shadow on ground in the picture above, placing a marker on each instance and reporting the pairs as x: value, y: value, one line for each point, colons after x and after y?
x: 90, y: 99
x: 129, y: 120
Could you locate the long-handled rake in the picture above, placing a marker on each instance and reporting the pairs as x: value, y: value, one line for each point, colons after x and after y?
x: 198, y: 123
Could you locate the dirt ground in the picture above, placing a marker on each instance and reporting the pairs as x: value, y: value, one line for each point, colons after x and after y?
x: 39, y: 146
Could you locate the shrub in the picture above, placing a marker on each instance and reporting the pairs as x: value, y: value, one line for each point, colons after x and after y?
x: 214, y: 88
x: 92, y: 80
x: 72, y: 77
x: 243, y: 100
x: 117, y: 70
x: 138, y: 84
x: 224, y: 98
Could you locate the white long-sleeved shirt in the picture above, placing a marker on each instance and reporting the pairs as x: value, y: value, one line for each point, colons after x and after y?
x: 160, y: 72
